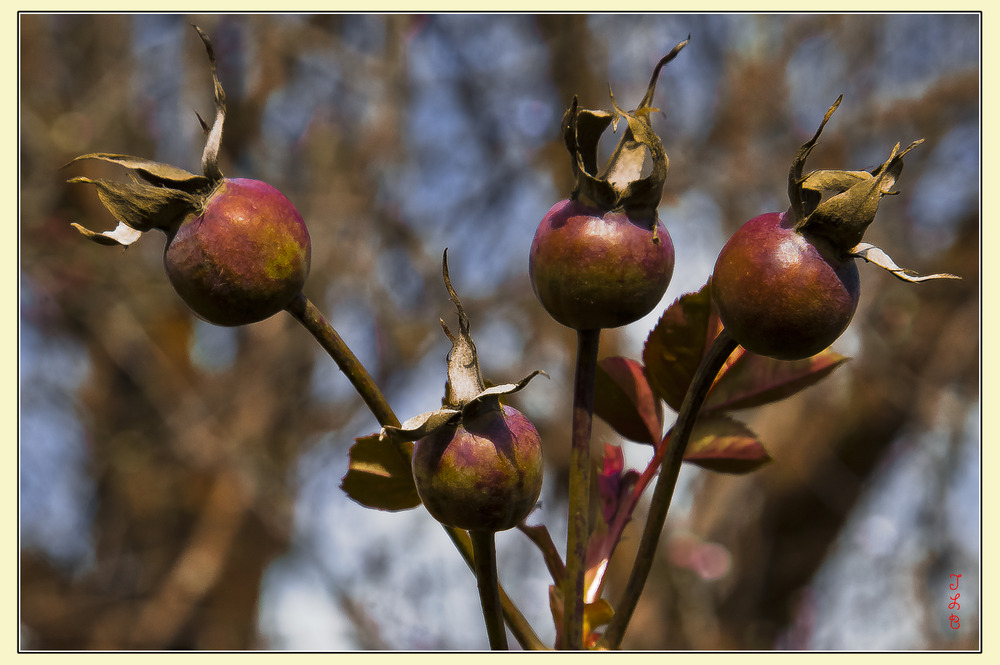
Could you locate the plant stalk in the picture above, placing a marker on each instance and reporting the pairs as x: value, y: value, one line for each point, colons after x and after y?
x: 518, y: 625
x: 484, y: 552
x: 306, y: 313
x: 718, y: 353
x: 579, y: 488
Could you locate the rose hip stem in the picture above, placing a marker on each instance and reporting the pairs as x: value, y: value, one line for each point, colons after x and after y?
x: 711, y: 363
x: 306, y: 313
x: 578, y: 530
x: 485, y: 552
x: 518, y: 625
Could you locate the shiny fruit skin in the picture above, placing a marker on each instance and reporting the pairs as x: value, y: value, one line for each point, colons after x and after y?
x: 243, y: 258
x: 595, y: 269
x: 781, y: 293
x: 485, y: 474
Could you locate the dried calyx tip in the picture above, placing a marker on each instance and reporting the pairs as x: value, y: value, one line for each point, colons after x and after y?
x: 647, y: 100
x: 798, y: 165
x: 210, y: 157
x: 465, y: 378
x: 463, y: 318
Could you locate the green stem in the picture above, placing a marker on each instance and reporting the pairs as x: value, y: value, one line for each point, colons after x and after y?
x: 484, y: 552
x: 518, y: 625
x: 709, y: 368
x: 306, y: 313
x: 579, y: 487
x: 312, y: 319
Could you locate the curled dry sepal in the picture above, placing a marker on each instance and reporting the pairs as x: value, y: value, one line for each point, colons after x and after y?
x: 162, y: 195
x: 602, y: 258
x: 237, y: 250
x: 465, y: 390
x: 620, y: 183
x: 840, y: 205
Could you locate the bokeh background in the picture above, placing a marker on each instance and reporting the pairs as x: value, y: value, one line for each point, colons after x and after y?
x: 178, y: 482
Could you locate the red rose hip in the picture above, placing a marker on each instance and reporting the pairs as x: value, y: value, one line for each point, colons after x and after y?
x: 595, y: 269
x: 237, y: 250
x: 601, y: 258
x: 780, y: 293
x: 243, y: 258
x: 786, y: 284
x: 483, y: 474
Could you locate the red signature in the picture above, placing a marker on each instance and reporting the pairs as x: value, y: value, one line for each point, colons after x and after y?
x: 953, y: 605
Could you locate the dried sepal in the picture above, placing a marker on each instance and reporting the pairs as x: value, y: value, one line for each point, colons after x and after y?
x: 509, y: 388
x: 465, y: 378
x: 155, y: 173
x: 620, y: 184
x: 840, y: 205
x: 420, y: 426
x: 141, y: 206
x: 638, y: 194
x: 877, y: 256
x: 465, y: 389
x: 210, y: 156
x: 162, y: 195
x: 582, y: 130
x: 123, y: 235
x: 795, y: 192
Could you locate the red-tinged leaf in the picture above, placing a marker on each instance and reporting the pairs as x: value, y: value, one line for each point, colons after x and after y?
x: 723, y: 444
x: 676, y: 345
x: 615, y: 487
x: 754, y: 380
x: 609, y: 481
x: 623, y: 398
x: 380, y: 476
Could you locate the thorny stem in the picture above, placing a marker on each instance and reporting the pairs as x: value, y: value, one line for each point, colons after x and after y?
x: 709, y: 368
x: 306, y: 313
x: 579, y: 488
x: 484, y: 552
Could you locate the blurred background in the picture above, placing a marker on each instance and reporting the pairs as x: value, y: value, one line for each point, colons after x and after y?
x: 179, y: 482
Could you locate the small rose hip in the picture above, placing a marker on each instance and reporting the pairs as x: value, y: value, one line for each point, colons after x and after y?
x: 244, y: 258
x: 483, y: 473
x: 477, y: 464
